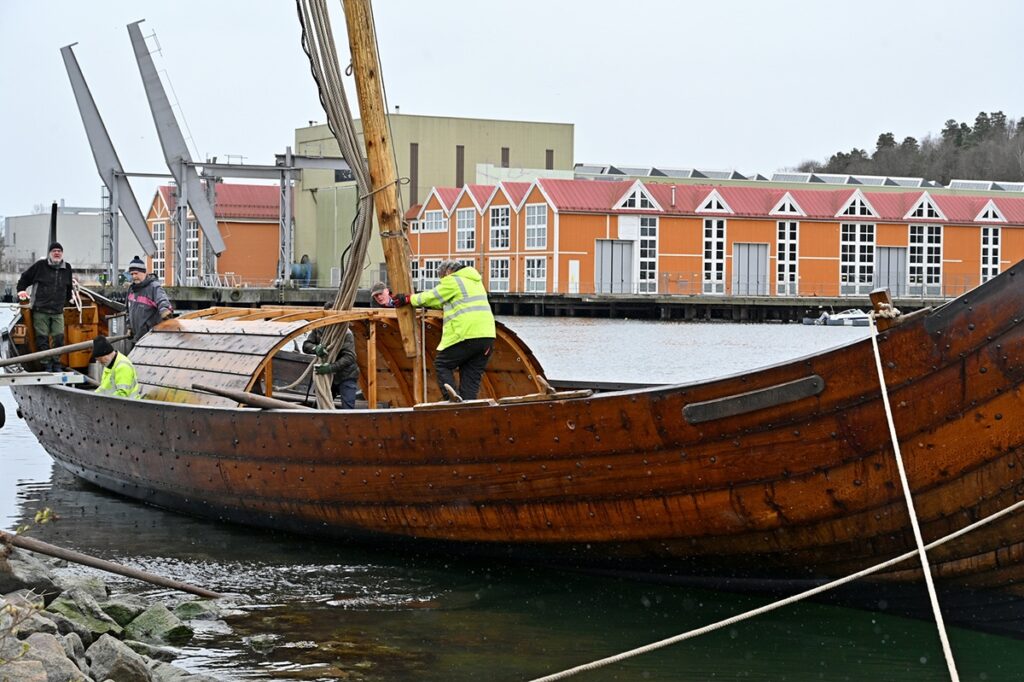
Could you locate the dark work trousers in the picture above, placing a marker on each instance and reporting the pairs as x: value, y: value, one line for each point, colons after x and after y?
x: 470, y: 357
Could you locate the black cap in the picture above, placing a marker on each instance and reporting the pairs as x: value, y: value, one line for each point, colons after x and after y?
x: 137, y: 264
x: 100, y: 347
x: 55, y: 245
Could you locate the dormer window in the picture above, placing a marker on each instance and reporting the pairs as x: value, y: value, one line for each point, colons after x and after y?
x: 638, y: 199
x: 787, y: 206
x: 714, y: 203
x: 991, y: 213
x: 858, y: 206
x: 925, y: 209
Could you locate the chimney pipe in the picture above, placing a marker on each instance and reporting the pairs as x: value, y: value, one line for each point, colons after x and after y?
x: 673, y: 196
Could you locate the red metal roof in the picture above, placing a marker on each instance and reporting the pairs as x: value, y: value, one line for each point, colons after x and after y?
x: 593, y: 196
x: 413, y: 212
x: 242, y: 202
x: 516, y: 191
x: 447, y: 196
x: 480, y: 194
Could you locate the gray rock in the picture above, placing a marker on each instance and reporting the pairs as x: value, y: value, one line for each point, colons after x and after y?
x: 21, y: 618
x: 151, y: 650
x: 92, y: 585
x: 49, y: 651
x: 21, y: 570
x: 78, y: 606
x: 123, y: 609
x: 199, y: 609
x: 111, y: 659
x: 22, y: 671
x: 26, y: 597
x: 75, y: 650
x: 157, y: 625
x: 165, y: 672
x: 66, y: 626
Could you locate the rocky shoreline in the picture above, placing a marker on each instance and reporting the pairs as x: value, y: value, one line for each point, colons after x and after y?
x: 69, y: 628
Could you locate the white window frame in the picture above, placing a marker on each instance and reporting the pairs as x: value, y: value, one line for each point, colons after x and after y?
x: 639, y: 199
x: 856, y: 258
x: 466, y: 262
x: 414, y: 226
x: 160, y: 257
x: 414, y: 271
x: 536, y: 275
x: 924, y: 260
x: 433, y: 221
x: 647, y: 249
x: 536, y: 226
x: 787, y: 258
x: 430, y: 268
x: 858, y: 207
x: 498, y: 274
x: 715, y: 233
x: 465, y: 229
x: 501, y: 228
x: 991, y: 236
x: 192, y: 253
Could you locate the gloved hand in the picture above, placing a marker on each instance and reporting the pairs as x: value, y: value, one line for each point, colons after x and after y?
x: 164, y: 314
x: 320, y: 352
x: 325, y: 368
x: 400, y: 300
x: 23, y: 296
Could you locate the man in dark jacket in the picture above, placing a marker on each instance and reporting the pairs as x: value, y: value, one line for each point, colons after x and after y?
x: 345, y: 369
x: 147, y: 302
x: 52, y: 278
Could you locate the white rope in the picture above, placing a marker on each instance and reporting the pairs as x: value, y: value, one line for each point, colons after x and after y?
x: 647, y: 648
x: 911, y: 511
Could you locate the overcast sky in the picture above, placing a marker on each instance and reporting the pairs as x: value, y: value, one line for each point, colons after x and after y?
x: 754, y: 85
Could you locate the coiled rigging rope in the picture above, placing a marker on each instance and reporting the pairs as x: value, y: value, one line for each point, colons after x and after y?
x: 318, y: 44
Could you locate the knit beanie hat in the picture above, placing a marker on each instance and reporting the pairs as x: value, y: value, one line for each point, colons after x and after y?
x: 137, y: 264
x: 55, y: 245
x: 101, y: 346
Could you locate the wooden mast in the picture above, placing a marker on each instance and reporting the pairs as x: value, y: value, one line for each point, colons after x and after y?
x: 383, y: 175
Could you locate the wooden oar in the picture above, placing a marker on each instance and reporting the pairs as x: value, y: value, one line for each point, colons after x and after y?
x: 51, y: 352
x: 102, y: 564
x: 253, y: 399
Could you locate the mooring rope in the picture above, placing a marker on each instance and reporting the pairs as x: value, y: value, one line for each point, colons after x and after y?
x: 647, y: 648
x: 911, y: 511
x: 920, y: 550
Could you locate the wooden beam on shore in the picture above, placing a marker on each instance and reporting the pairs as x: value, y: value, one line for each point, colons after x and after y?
x: 41, y: 547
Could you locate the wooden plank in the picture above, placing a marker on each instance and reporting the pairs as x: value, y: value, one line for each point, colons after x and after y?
x: 214, y: 361
x: 206, y: 326
x: 246, y: 345
x: 371, y: 367
x: 180, y: 377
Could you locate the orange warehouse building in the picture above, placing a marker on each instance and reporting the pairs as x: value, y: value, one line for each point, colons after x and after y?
x: 249, y: 220
x: 632, y: 237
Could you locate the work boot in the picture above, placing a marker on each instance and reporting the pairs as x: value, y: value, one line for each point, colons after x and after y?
x: 55, y: 366
x: 43, y: 343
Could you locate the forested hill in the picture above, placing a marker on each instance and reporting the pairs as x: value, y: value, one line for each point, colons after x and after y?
x: 991, y: 149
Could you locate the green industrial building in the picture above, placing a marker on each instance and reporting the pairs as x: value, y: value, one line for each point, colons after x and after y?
x: 431, y: 151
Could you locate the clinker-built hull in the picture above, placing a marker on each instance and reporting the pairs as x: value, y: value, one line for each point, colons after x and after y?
x: 783, y: 472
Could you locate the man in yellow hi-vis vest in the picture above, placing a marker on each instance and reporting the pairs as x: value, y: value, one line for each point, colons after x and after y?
x: 118, y: 371
x: 468, y: 337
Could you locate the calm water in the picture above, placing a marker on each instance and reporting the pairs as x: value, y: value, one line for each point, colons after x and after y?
x: 344, y: 613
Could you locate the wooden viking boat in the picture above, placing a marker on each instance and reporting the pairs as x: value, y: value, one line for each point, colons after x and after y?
x: 784, y: 472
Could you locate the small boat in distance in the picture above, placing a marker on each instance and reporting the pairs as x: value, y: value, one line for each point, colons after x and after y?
x: 851, y: 317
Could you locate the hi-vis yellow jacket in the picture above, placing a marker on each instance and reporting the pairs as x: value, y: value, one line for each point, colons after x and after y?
x: 467, y: 314
x: 119, y: 379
